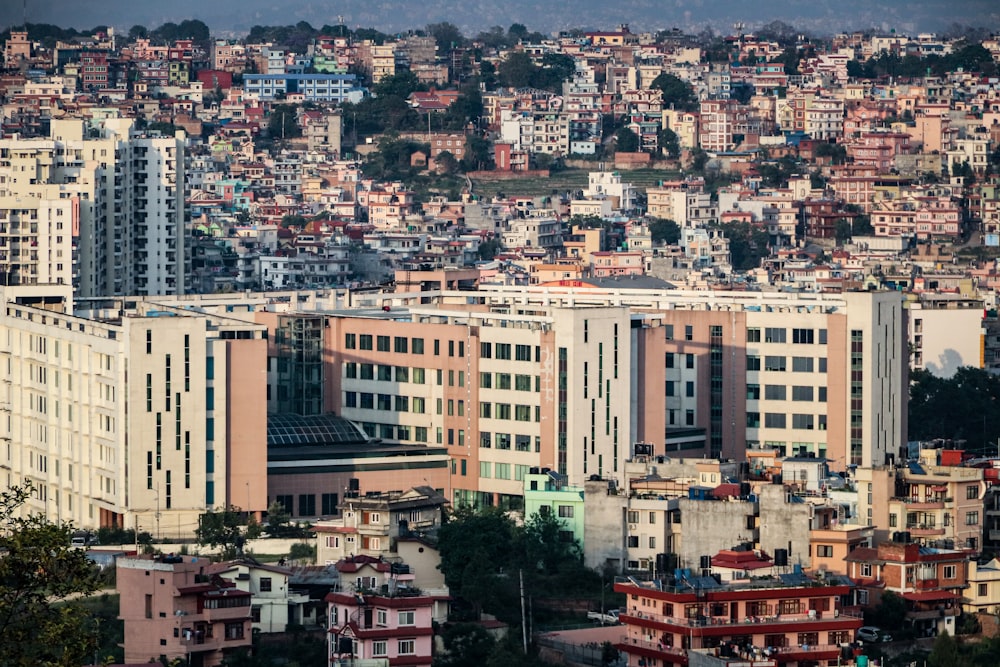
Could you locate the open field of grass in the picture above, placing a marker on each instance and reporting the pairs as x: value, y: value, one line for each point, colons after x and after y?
x: 567, y: 180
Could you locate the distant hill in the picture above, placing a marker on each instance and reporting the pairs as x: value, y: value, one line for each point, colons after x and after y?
x: 472, y: 16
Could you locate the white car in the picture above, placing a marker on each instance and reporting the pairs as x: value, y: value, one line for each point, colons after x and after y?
x: 873, y: 635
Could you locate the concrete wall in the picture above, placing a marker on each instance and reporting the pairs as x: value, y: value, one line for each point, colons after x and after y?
x: 784, y: 525
x: 708, y: 526
x: 604, y: 526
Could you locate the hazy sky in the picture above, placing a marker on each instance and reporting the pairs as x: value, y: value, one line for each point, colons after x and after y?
x: 543, y: 15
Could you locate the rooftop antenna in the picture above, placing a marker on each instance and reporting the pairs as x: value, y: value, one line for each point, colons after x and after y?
x: 738, y: 27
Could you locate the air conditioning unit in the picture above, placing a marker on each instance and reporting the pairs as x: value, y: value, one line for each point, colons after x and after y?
x: 632, y: 527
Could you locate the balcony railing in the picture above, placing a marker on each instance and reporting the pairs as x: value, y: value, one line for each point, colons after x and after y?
x: 714, y: 621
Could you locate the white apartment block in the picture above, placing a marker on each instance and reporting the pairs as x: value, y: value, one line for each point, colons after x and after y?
x: 98, y: 206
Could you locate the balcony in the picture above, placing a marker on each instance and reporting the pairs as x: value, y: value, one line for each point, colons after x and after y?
x: 925, y: 530
x: 722, y: 625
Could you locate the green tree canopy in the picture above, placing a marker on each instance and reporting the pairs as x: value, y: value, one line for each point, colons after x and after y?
x: 961, y: 407
x: 39, y: 572
x: 676, y: 92
x: 626, y: 141
x: 227, y: 529
x: 664, y: 231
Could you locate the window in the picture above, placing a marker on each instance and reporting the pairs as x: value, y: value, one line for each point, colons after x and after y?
x: 366, y: 341
x: 484, y: 410
x: 753, y: 392
x: 522, y: 382
x: 382, y: 343
x: 688, y: 332
x: 773, y: 363
x: 329, y: 501
x: 375, y: 517
x: 688, y: 361
x: 983, y: 590
x: 774, y: 392
x: 753, y: 362
x: 265, y: 584
x: 307, y: 504
x: 350, y: 341
x: 802, y: 422
x: 406, y: 647
x: 802, y: 336
x: 753, y: 335
x: 824, y: 550
x: 234, y: 630
x: 503, y: 381
x: 802, y: 393
x: 406, y: 617
x: 866, y: 569
x: 971, y: 492
x: 802, y: 364
x: 633, y: 516
x: 502, y: 470
x: 502, y: 351
x: 400, y: 344
x: 950, y: 571
x: 565, y: 511
x: 972, y: 518
x: 774, y: 335
x: 367, y: 372
x: 485, y: 350
x: 753, y: 420
x: 774, y: 420
x: 522, y: 352
x: 689, y: 389
x: 485, y: 380
x: 668, y: 360
x: 417, y: 345
x: 380, y: 648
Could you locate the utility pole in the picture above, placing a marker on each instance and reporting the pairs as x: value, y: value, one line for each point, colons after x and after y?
x: 524, y: 622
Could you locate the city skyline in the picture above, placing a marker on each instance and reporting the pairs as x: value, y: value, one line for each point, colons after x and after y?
x: 825, y: 17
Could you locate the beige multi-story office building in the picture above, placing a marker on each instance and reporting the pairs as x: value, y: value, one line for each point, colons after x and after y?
x: 510, y: 378
x: 98, y: 205
x: 137, y: 414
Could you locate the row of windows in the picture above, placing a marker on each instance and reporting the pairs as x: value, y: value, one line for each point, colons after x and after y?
x: 503, y: 381
x: 502, y: 351
x: 802, y: 422
x: 780, y: 335
x: 488, y: 469
x: 779, y: 392
x: 522, y: 443
x: 780, y: 364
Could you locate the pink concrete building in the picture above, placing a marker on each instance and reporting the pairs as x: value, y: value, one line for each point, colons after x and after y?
x: 395, y: 626
x: 172, y: 608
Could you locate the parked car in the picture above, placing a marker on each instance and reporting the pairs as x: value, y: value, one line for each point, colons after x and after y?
x: 610, y: 618
x: 873, y: 635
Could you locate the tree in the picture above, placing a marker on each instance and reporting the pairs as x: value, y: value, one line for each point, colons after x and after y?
x: 960, y: 407
x: 466, y: 645
x: 489, y: 249
x: 447, y: 35
x: 137, y: 32
x: 626, y: 141
x: 544, y: 546
x: 668, y: 142
x: 446, y: 163
x: 843, y: 231
x: 517, y: 70
x: 889, y: 613
x: 283, y: 123
x: 39, y: 571
x: 945, y: 653
x: 227, y: 529
x: 664, y: 231
x: 676, y: 92
x: 278, y: 517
